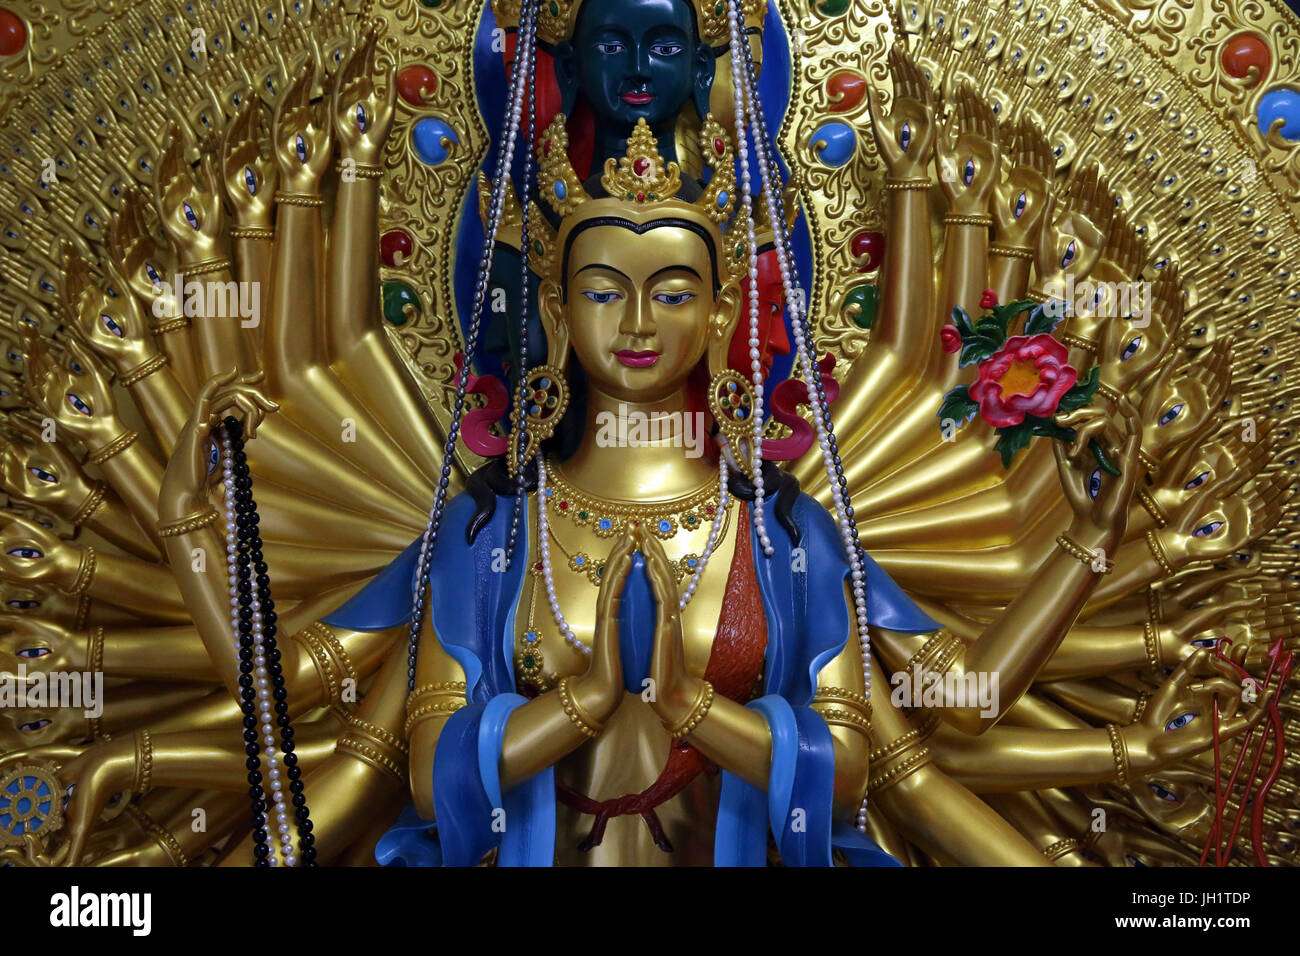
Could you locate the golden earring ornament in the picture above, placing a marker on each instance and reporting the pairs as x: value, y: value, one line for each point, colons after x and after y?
x: 732, y: 402
x: 545, y: 400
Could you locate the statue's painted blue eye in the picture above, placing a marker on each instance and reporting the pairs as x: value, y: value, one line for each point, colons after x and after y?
x: 300, y: 145
x: 1205, y: 530
x: 1197, y: 481
x: 250, y: 181
x: 190, y: 217
x: 42, y: 474
x: 1130, y: 349
x: 214, y: 456
x: 32, y: 653
x: 1206, y: 642
x: 1162, y: 793
x: 968, y: 171
x: 34, y: 725
x: 23, y: 605
x: 1182, y: 720
x: 905, y: 136
x: 674, y: 298
x: 76, y: 366
x: 79, y: 405
x: 1069, y: 254
x: 601, y: 298
x: 1019, y: 209
x: 111, y: 325
x: 29, y: 553
x: 1094, y: 484
x: 361, y: 117
x: 1170, y: 415
x: 152, y: 273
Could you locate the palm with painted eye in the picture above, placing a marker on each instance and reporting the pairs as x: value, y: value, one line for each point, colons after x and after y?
x: 1098, y: 497
x: 30, y: 554
x: 41, y: 645
x: 78, y: 399
x: 968, y: 156
x: 115, y: 326
x: 1177, y: 406
x: 189, y: 204
x: 1074, y: 231
x: 42, y: 473
x: 1213, y: 528
x: 249, y: 179
x: 362, y: 115
x: 905, y: 137
x: 301, y: 139
x: 1179, y: 720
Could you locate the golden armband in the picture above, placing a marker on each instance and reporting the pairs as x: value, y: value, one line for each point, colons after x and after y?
x: 1060, y: 848
x: 1153, y: 508
x: 1079, y: 342
x: 1110, y: 391
x: 206, y: 267
x: 1158, y: 552
x: 142, y: 371
x: 188, y: 523
x: 699, y: 710
x: 1087, y: 555
x: 903, y: 185
x: 433, y: 700
x: 901, y: 757
x: 1119, y: 751
x: 143, y: 779
x: 253, y: 232
x: 94, y: 501
x: 299, y: 199
x: 936, y: 654
x: 333, y: 666
x: 85, y: 573
x: 95, y: 651
x: 360, y: 170
x: 977, y: 219
x: 375, y: 747
x: 118, y: 445
x: 589, y: 726
x: 1004, y: 251
x: 839, y: 706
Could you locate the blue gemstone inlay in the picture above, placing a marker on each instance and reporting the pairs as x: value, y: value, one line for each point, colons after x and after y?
x: 1281, y: 102
x: 432, y: 139
x: 834, y: 143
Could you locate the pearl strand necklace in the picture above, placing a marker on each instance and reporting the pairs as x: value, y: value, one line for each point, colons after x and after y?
x: 548, y: 578
x: 755, y: 356
x: 820, y: 413
x: 261, y: 681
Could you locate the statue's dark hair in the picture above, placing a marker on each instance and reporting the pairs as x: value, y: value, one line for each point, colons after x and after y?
x: 494, y: 479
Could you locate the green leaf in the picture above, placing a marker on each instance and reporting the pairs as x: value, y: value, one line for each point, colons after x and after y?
x: 1047, y: 428
x: 958, y: 405
x: 1039, y: 322
x: 976, y: 349
x: 1082, y: 393
x: 1102, y: 460
x: 992, y: 329
x: 961, y: 320
x: 1011, y: 440
x: 1005, y: 313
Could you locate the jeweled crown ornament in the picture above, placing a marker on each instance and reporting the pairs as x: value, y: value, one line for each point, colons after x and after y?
x: 556, y: 18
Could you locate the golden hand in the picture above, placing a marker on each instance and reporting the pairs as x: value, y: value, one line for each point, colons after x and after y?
x: 1071, y: 242
x: 1213, y: 527
x: 968, y: 155
x: 40, y: 645
x: 1097, y: 497
x: 362, y: 116
x: 134, y: 253
x: 41, y: 472
x: 675, y: 690
x: 1178, y: 404
x: 30, y: 554
x: 77, y: 397
x: 1178, y: 722
x: 248, y: 178
x: 115, y: 326
x: 906, y: 136
x: 1021, y: 202
x: 195, y: 462
x: 600, y: 689
x: 1216, y: 468
x: 189, y: 206
x: 301, y: 140
x: 92, y: 778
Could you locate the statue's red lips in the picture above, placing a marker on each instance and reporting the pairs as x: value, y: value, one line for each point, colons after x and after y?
x: 638, y: 99
x: 637, y: 359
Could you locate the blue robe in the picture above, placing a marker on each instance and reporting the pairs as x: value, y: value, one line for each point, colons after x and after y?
x: 474, y: 603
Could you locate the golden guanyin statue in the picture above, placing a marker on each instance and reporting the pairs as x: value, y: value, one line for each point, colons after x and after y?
x: 648, y: 432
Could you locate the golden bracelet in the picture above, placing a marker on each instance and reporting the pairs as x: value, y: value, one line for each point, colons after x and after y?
x: 170, y: 845
x: 333, y: 666
x: 1037, y: 295
x: 364, y: 170
x: 891, y: 185
x: 1151, y: 638
x: 95, y: 650
x: 1078, y: 342
x: 1150, y: 464
x: 846, y: 718
x: 1158, y: 552
x: 1010, y: 252
x: 417, y: 715
x: 1120, y: 753
x: 1140, y: 707
x: 979, y: 219
x: 1110, y: 391
x: 252, y: 232
x: 580, y: 718
x: 376, y: 747
x: 188, y: 523
x: 899, y: 772
x: 94, y: 501
x: 696, y: 715
x: 842, y: 695
x: 118, y: 445
x: 1153, y: 508
x: 171, y: 325
x: 1058, y: 849
x: 143, y: 762
x: 206, y: 267
x: 1087, y: 556
x: 142, y: 371
x: 85, y: 572
x: 298, y: 199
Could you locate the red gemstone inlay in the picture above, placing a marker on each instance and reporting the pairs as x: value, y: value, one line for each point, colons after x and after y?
x: 640, y: 165
x: 719, y: 145
x: 868, y: 250
x: 395, y: 243
x: 13, y: 33
x: 846, y: 90
x: 414, y: 83
x: 564, y: 506
x: 640, y: 197
x: 1243, y: 51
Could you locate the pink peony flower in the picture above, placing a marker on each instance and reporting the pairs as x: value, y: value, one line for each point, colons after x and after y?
x: 1027, y: 376
x: 950, y: 338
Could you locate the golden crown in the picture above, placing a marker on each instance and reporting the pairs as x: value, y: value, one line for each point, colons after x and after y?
x: 556, y: 18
